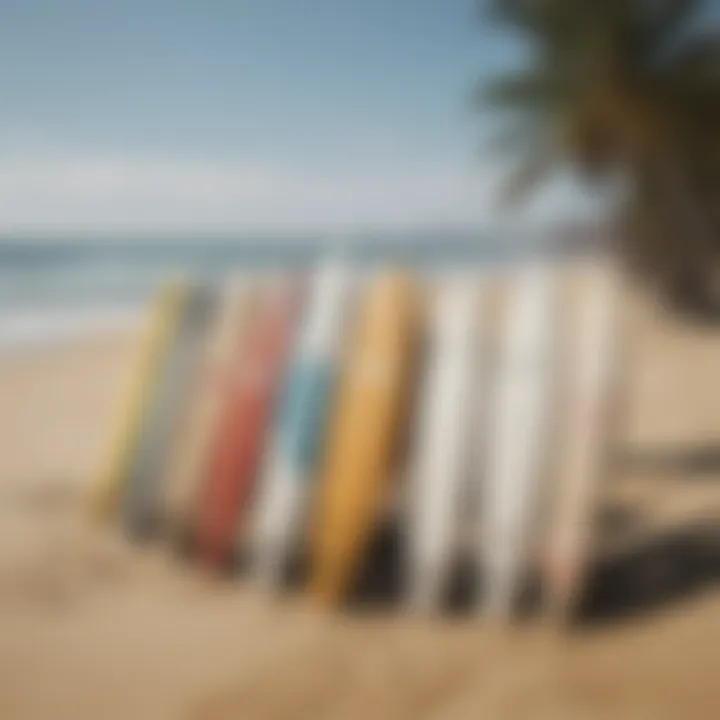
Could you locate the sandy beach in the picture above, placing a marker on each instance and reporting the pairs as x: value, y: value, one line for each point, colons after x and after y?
x: 91, y: 627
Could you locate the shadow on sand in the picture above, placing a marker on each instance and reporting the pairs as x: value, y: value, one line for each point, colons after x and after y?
x: 381, y: 585
x: 655, y: 572
x: 698, y: 459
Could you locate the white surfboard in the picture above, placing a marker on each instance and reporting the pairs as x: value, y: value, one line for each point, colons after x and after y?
x: 443, y: 441
x: 519, y: 432
x: 592, y: 371
x: 301, y: 423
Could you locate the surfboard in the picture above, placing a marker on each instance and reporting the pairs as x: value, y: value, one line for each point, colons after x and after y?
x: 592, y: 373
x: 357, y: 466
x: 136, y: 392
x: 239, y: 447
x: 142, y: 500
x: 441, y: 465
x: 188, y: 465
x: 521, y: 430
x: 290, y: 477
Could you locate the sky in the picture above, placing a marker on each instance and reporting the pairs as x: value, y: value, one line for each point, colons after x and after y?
x: 247, y: 116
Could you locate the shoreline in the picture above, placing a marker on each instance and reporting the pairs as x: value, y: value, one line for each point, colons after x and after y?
x: 24, y: 333
x: 28, y: 328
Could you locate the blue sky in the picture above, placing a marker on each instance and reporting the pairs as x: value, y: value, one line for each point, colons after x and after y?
x: 244, y: 115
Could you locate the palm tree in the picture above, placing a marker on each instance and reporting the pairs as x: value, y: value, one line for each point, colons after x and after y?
x: 624, y: 89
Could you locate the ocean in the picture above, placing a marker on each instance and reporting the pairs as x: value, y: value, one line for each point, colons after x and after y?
x: 52, y: 288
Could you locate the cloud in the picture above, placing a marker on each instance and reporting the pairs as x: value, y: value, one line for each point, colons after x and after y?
x: 119, y: 194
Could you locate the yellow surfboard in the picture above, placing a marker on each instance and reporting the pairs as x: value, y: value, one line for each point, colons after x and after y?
x: 187, y: 466
x: 364, y: 429
x: 136, y: 391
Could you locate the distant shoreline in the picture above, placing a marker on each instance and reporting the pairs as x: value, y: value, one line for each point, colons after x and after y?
x: 33, y: 332
x: 55, y: 290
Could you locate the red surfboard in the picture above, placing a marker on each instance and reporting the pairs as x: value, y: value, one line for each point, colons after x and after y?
x: 239, y: 446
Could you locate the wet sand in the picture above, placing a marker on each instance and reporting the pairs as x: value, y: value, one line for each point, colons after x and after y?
x: 91, y: 627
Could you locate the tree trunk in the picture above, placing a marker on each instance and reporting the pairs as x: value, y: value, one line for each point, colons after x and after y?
x: 691, y: 272
x: 647, y: 147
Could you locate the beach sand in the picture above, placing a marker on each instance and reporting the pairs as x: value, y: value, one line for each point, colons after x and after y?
x: 91, y: 627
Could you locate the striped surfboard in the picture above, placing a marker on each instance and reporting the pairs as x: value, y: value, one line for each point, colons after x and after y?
x: 289, y: 478
x: 189, y: 464
x: 137, y: 390
x: 239, y: 446
x: 142, y: 506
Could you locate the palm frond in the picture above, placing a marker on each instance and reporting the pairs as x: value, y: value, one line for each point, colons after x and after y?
x: 529, y: 174
x: 659, y: 22
x: 516, y: 137
x: 616, y: 86
x: 697, y: 65
x: 525, y: 90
